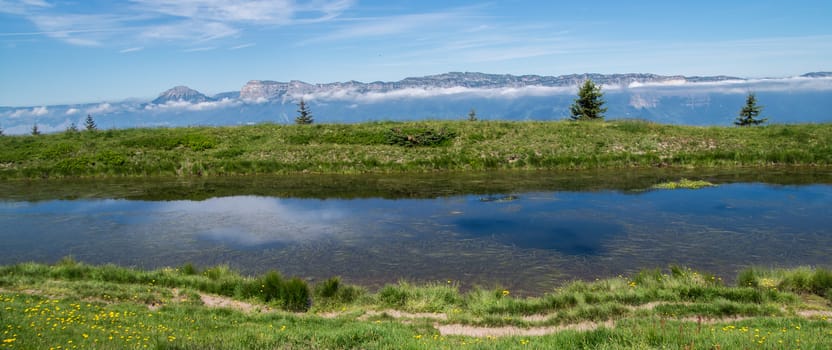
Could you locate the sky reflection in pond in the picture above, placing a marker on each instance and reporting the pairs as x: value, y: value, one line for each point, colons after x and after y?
x: 525, y: 241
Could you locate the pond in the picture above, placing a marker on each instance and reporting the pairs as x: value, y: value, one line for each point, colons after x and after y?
x: 527, y: 231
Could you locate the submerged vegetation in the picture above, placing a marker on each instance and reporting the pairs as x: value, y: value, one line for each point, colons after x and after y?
x: 388, y: 147
x: 683, y: 184
x: 74, y: 305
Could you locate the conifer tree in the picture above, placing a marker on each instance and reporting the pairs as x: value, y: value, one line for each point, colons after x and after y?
x: 472, y: 115
x: 588, y: 105
x: 90, y: 123
x: 35, y: 130
x: 750, y: 112
x: 304, y: 115
x: 72, y: 128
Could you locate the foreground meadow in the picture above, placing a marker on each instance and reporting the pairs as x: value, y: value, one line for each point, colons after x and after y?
x: 72, y: 305
x: 389, y: 147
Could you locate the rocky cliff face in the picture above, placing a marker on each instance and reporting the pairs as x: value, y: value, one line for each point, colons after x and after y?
x: 181, y: 93
x: 266, y: 89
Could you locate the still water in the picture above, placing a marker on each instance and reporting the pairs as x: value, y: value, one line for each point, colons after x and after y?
x: 526, y: 240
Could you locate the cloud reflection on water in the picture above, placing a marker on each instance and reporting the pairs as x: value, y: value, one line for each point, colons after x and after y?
x: 255, y: 221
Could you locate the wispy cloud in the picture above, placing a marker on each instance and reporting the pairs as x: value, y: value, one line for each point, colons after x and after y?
x: 461, y: 35
x: 199, y: 49
x: 79, y: 29
x: 278, y: 11
x: 243, y: 46
x: 161, y: 21
x: 386, y: 26
x: 188, y: 31
x: 21, y: 7
x: 131, y: 49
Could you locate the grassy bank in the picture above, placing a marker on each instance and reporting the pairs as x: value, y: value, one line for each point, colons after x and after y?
x: 73, y: 305
x: 409, y: 147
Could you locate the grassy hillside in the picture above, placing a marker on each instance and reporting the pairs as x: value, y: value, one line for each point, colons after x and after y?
x: 76, y: 306
x: 408, y: 147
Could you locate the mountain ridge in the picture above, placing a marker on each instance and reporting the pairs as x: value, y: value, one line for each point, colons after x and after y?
x: 673, y: 99
x: 270, y: 89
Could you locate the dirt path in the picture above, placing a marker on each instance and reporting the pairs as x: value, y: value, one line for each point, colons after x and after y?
x: 508, y: 331
x: 211, y: 300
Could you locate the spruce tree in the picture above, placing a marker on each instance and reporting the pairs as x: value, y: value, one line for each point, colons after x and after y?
x: 304, y: 115
x: 472, y: 115
x: 72, y: 128
x: 588, y: 105
x: 90, y: 123
x: 35, y: 130
x: 750, y: 112
x: 1, y: 131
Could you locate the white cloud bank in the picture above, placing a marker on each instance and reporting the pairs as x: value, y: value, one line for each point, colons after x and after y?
x: 355, y: 95
x: 25, y: 112
x: 672, y: 87
x: 199, y: 106
x: 102, y: 108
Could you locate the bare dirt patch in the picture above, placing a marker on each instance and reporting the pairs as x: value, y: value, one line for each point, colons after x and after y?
x: 403, y: 315
x: 827, y: 315
x: 507, y: 331
x: 226, y: 302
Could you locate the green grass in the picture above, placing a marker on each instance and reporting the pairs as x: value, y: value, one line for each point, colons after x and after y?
x: 72, y: 305
x: 389, y: 147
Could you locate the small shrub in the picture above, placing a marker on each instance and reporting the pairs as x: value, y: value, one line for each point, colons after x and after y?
x: 229, y: 153
x: 66, y: 261
x: 748, y: 278
x: 419, y: 137
x: 72, y: 166
x: 198, y: 142
x: 393, y: 296
x: 799, y: 280
x: 58, y: 151
x: 296, y: 295
x: 744, y: 295
x: 291, y: 295
x: 328, y: 288
x: 189, y: 269
x: 217, y: 272
x: 822, y: 282
x: 648, y: 277
x: 111, y: 158
x: 271, y: 285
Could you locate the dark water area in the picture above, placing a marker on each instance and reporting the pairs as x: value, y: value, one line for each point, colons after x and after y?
x: 528, y: 231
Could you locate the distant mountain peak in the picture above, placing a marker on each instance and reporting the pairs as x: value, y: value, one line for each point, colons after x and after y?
x: 181, y: 93
x: 817, y: 75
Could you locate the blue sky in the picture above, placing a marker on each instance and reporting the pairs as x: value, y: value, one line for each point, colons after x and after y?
x: 74, y: 51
